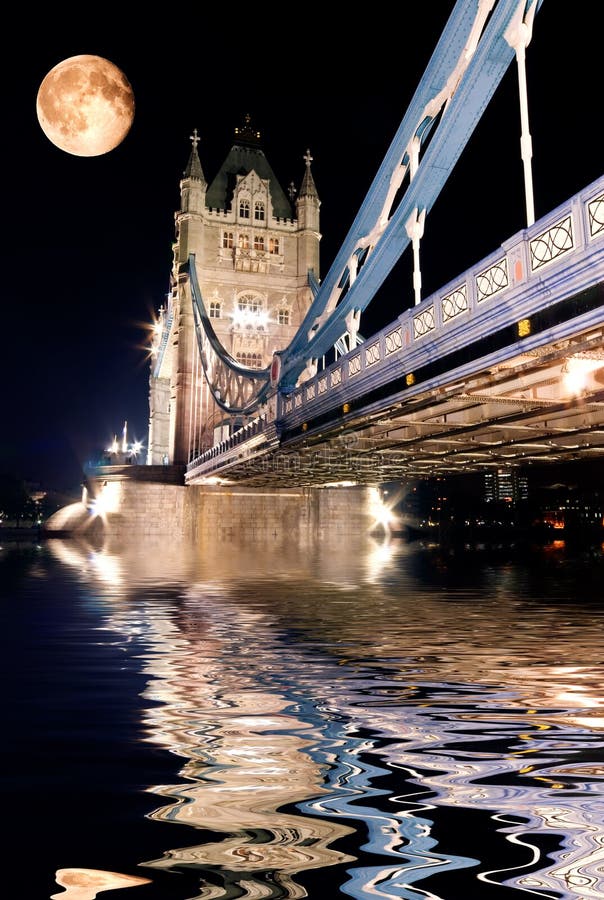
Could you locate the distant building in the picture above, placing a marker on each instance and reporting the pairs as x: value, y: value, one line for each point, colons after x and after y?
x: 505, y: 486
x: 254, y: 246
x: 575, y: 511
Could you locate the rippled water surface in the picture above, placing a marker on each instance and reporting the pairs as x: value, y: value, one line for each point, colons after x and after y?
x: 387, y: 720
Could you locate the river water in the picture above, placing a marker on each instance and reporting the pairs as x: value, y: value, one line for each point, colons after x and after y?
x: 381, y: 719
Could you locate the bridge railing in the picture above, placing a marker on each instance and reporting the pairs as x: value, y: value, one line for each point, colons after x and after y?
x: 514, y: 281
x: 480, y: 298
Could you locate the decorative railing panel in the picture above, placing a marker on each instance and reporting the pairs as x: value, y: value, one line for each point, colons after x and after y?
x: 492, y: 280
x: 596, y: 215
x: 393, y: 341
x: 372, y: 354
x: 354, y: 365
x: 454, y: 304
x: 554, y: 242
x: 424, y: 323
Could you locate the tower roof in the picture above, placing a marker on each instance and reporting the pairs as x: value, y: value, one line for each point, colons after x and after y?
x: 246, y: 154
x: 193, y: 169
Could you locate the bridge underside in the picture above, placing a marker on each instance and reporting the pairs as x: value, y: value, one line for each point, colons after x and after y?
x: 539, y: 407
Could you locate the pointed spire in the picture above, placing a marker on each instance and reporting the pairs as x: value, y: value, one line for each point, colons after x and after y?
x: 307, y: 188
x: 194, y: 169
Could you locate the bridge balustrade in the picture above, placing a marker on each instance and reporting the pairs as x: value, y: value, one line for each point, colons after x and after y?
x: 530, y: 257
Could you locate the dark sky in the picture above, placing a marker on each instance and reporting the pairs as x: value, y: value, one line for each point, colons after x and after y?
x: 86, y: 248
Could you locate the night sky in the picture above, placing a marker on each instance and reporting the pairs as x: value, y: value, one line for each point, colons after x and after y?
x: 87, y: 242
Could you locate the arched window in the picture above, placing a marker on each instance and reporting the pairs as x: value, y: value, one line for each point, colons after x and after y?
x: 259, y: 211
x: 273, y: 246
x: 227, y: 240
x: 283, y: 316
x: 215, y: 309
x: 244, y: 209
x: 249, y: 303
x: 258, y: 242
x: 244, y: 242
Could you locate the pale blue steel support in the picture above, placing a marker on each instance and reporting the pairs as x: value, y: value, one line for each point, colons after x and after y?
x: 463, y: 73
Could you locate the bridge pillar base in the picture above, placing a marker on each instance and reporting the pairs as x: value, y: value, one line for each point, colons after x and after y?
x: 122, y: 505
x: 296, y: 514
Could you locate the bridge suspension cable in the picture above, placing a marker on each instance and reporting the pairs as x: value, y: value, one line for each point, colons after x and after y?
x: 472, y: 55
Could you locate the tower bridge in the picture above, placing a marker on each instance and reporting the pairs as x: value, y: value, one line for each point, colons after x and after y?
x: 263, y: 392
x: 503, y: 366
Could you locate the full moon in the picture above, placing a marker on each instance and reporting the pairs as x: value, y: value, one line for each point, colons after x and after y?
x: 85, y: 105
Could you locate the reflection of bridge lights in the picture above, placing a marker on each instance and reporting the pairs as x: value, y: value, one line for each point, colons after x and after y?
x: 379, y: 558
x: 86, y: 884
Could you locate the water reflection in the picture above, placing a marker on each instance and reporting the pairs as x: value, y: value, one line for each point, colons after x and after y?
x: 86, y: 884
x: 443, y: 726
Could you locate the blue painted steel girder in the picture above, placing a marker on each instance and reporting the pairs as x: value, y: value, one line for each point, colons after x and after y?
x: 483, y: 74
x: 434, y: 80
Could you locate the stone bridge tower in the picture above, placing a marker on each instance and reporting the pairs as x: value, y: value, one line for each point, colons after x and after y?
x: 254, y: 247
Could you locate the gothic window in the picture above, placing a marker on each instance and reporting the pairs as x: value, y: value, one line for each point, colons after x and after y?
x: 273, y: 246
x: 244, y: 242
x: 244, y: 209
x: 283, y: 317
x: 258, y: 242
x: 259, y: 211
x: 227, y: 240
x: 215, y: 309
x: 249, y: 303
x: 252, y: 360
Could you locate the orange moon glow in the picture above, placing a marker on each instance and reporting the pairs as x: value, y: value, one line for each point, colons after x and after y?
x: 85, y: 884
x: 85, y: 105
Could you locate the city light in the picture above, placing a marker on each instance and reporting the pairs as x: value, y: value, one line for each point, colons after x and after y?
x: 122, y: 451
x: 381, y: 512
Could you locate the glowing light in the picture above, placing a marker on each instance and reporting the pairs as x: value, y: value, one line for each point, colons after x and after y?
x: 381, y: 511
x: 576, y: 373
x: 250, y: 318
x: 107, y: 500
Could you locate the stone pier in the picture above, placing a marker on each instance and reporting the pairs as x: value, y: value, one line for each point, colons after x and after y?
x: 121, y: 502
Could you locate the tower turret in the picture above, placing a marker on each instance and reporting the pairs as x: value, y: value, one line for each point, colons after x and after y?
x: 307, y: 209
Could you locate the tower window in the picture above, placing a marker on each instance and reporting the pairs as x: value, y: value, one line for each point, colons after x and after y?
x: 249, y: 303
x: 244, y: 242
x: 244, y: 209
x: 215, y: 309
x: 273, y: 245
x: 258, y: 242
x: 259, y: 211
x: 283, y: 317
x: 227, y: 240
